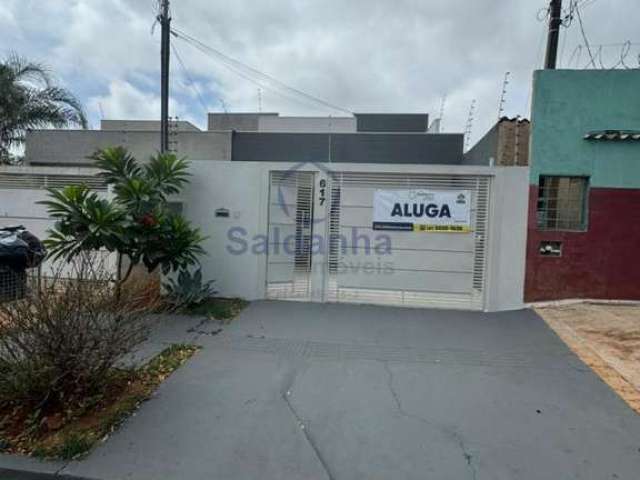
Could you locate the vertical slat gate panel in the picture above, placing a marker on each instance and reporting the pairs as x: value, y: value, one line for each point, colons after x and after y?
x: 290, y: 278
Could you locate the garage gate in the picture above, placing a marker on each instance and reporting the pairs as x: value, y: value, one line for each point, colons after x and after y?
x: 322, y: 245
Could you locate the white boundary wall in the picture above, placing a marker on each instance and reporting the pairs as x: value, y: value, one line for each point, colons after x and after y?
x: 21, y: 188
x: 242, y: 188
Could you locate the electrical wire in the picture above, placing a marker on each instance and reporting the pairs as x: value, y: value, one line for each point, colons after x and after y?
x: 586, y: 3
x: 584, y: 36
x: 539, y: 57
x: 192, y: 83
x: 575, y: 55
x: 562, y: 48
x: 249, y: 73
x: 249, y: 78
x: 254, y: 75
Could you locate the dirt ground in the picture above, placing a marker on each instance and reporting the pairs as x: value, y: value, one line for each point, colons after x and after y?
x: 607, y: 338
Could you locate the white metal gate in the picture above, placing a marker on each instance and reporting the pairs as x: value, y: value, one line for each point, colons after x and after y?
x: 355, y: 263
x: 414, y: 268
x: 290, y: 235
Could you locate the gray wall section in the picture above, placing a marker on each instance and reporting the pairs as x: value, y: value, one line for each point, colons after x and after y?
x: 392, y: 122
x: 444, y: 149
x: 486, y: 148
x: 72, y: 147
x: 280, y: 147
x: 361, y: 122
x: 272, y: 123
x: 242, y: 122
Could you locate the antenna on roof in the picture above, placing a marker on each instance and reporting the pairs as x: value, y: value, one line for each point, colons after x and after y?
x: 469, y: 126
x: 503, y: 95
x: 259, y: 100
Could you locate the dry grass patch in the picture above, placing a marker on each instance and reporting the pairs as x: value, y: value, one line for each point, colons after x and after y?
x: 72, y: 431
x: 607, y: 338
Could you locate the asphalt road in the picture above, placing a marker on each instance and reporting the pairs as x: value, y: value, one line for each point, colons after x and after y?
x: 312, y: 391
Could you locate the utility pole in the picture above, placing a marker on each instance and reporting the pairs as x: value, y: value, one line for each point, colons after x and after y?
x: 165, y: 23
x: 555, y: 21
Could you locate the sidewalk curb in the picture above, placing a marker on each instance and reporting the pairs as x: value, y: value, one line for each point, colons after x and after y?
x: 9, y: 474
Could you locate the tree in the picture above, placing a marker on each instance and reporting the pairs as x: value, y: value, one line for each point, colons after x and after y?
x: 137, y: 223
x: 29, y: 99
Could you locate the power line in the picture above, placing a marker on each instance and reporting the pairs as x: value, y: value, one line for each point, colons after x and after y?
x: 540, y: 45
x: 193, y: 84
x: 562, y: 48
x: 575, y: 55
x: 586, y: 3
x: 249, y: 78
x: 250, y: 73
x: 584, y: 36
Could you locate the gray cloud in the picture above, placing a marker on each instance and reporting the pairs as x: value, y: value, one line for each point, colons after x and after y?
x: 374, y: 55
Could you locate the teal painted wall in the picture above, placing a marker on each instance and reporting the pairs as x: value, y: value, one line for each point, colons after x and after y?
x: 569, y: 103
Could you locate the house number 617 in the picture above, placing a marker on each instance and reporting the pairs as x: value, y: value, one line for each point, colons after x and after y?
x: 323, y: 188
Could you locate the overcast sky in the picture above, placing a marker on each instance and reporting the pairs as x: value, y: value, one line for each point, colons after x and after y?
x: 361, y: 55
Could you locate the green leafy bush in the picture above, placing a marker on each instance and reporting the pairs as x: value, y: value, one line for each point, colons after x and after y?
x: 137, y: 222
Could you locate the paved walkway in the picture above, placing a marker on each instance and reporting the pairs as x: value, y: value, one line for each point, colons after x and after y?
x: 310, y: 391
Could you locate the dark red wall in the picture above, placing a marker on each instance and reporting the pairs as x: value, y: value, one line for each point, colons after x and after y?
x: 600, y: 263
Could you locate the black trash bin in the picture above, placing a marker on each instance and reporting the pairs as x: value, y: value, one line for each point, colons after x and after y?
x: 20, y: 250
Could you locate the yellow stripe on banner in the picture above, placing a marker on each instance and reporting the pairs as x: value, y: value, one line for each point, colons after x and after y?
x: 442, y: 228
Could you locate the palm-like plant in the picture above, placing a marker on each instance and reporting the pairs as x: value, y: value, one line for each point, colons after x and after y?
x: 84, y: 222
x: 137, y: 223
x: 29, y: 99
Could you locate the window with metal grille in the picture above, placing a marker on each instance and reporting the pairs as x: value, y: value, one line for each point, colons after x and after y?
x: 562, y: 203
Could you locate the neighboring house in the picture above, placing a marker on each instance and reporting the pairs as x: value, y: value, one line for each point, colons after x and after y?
x: 364, y: 138
x: 506, y: 144
x: 374, y: 208
x: 584, y: 206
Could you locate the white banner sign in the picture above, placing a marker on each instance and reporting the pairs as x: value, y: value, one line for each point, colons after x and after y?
x: 422, y: 210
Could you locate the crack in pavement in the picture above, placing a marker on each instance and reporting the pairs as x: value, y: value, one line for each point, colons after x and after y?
x: 454, y: 434
x: 286, y: 394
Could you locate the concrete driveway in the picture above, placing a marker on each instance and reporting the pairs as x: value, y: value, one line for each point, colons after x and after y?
x: 310, y: 391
